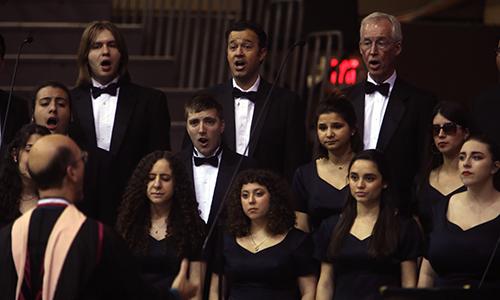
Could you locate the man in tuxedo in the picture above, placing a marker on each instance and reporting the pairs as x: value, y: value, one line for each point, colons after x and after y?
x: 279, y: 140
x: 485, y: 108
x: 393, y: 116
x: 18, y: 111
x: 79, y: 257
x: 121, y: 122
x: 209, y: 162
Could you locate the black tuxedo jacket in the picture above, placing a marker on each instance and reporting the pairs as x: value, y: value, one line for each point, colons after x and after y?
x: 405, y: 128
x: 228, y: 163
x: 281, y: 142
x: 141, y: 125
x: 18, y: 116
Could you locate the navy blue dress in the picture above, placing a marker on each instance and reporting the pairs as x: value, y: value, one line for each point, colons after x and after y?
x: 162, y: 263
x: 428, y: 198
x: 460, y: 256
x: 316, y: 197
x: 270, y: 273
x: 358, y: 275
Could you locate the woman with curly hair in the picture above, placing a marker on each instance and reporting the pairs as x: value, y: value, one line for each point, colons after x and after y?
x: 160, y: 221
x: 369, y: 244
x: 320, y: 187
x: 262, y: 255
x: 17, y: 191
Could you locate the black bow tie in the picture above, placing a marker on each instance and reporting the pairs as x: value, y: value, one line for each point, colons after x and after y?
x: 237, y: 93
x: 383, y: 88
x: 110, y: 90
x: 212, y: 160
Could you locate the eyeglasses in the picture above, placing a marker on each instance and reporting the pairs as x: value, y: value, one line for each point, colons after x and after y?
x: 448, y: 129
x: 381, y: 44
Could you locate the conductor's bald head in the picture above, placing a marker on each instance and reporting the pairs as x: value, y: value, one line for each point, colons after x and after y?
x: 55, y: 164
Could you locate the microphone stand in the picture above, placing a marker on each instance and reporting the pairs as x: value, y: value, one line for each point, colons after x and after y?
x: 490, y: 261
x: 28, y: 40
x: 253, y: 138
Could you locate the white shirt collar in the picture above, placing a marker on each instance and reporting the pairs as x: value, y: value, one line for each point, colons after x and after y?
x: 253, y: 88
x: 99, y: 85
x: 389, y: 80
x: 199, y: 154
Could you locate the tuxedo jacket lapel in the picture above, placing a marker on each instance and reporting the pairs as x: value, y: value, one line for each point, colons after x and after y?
x: 258, y: 109
x: 392, y: 117
x: 228, y: 104
x: 187, y: 160
x: 83, y: 104
x: 226, y: 169
x: 358, y: 101
x: 124, y: 110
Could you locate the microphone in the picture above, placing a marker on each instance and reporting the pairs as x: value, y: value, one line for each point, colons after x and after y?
x: 253, y: 138
x: 300, y: 43
x: 28, y: 40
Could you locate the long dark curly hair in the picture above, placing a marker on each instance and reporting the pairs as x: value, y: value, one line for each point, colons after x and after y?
x: 184, y: 224
x: 281, y: 216
x: 11, y: 181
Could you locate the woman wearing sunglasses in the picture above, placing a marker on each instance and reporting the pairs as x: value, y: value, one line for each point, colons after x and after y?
x: 463, y: 244
x: 441, y: 177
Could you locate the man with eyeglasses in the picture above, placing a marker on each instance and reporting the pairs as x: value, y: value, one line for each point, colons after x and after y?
x: 393, y: 116
x: 485, y: 108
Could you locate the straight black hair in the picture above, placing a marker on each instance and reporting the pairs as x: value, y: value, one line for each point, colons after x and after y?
x: 385, y: 234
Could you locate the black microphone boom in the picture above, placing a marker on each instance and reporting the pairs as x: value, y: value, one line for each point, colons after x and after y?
x: 28, y: 40
x: 253, y: 138
x: 490, y: 262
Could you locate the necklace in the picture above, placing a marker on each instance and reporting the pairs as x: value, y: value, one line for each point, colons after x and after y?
x: 156, y: 229
x: 256, y: 246
x: 342, y: 165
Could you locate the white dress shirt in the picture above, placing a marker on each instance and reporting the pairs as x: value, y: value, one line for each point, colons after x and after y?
x: 205, y: 178
x: 243, y: 115
x: 375, y: 107
x: 104, y: 108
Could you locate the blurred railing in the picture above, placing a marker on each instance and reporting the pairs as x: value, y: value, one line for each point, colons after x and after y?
x: 192, y: 31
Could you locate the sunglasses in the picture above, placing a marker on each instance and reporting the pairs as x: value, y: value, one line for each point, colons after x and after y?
x: 448, y: 129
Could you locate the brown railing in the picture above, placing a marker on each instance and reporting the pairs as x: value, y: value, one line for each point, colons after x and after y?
x: 192, y: 31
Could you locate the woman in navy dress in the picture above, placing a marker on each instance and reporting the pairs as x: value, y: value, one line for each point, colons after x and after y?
x: 466, y: 229
x: 160, y: 221
x: 320, y: 187
x: 441, y: 178
x: 262, y: 255
x: 369, y: 245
